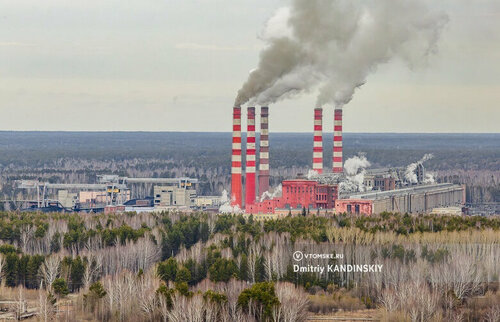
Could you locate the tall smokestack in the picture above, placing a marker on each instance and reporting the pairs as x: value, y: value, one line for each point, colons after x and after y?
x: 250, y: 167
x: 318, y: 140
x: 264, y: 150
x: 337, y: 142
x: 236, y: 159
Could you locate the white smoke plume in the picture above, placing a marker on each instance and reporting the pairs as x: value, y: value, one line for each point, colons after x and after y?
x: 268, y: 195
x: 334, y: 45
x: 429, y: 178
x: 312, y: 174
x: 354, y: 169
x: 226, y: 207
x: 354, y: 164
x: 411, y: 174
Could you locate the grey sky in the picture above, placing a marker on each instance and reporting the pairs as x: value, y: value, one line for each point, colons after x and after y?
x: 176, y: 65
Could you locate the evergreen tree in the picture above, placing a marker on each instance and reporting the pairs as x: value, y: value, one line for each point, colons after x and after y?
x: 32, y: 276
x: 60, y: 287
x: 263, y: 297
x: 11, y: 266
x: 168, y: 270
x: 222, y: 270
x: 22, y: 269
x: 77, y: 271
x: 183, y: 275
x: 260, y: 269
x: 95, y: 293
x: 244, y: 268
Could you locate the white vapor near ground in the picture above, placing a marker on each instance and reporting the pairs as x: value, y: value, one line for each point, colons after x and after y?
x: 226, y: 207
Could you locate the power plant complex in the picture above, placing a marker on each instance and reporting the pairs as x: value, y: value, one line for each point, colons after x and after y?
x: 320, y: 191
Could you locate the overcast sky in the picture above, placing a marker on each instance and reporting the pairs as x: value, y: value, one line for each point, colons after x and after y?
x: 176, y: 65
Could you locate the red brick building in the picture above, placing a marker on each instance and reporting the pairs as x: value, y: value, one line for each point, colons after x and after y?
x: 354, y: 206
x: 298, y: 193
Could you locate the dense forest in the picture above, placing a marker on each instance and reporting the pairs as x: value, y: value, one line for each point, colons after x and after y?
x: 205, y: 267
x: 70, y: 157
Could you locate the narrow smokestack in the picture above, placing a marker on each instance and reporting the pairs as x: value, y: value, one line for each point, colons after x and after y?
x: 337, y: 142
x: 250, y: 167
x: 264, y: 151
x: 236, y: 159
x: 318, y: 140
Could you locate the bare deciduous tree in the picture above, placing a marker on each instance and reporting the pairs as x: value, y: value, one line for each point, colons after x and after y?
x: 389, y: 300
x: 50, y: 270
x: 2, y: 263
x: 254, y: 252
x: 232, y: 290
x: 493, y: 314
x: 46, y: 310
x: 27, y: 232
x: 293, y: 303
x: 460, y: 274
x: 416, y: 300
x: 187, y: 308
x: 148, y: 300
x: 92, y: 269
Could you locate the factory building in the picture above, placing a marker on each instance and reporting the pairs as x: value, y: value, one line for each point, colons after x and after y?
x: 385, y: 179
x: 67, y: 199
x: 111, y: 193
x: 298, y: 194
x: 380, y: 179
x: 92, y: 198
x: 418, y: 199
x: 172, y: 196
x: 208, y: 202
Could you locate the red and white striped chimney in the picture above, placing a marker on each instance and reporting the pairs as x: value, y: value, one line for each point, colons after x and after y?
x: 250, y: 165
x: 264, y: 151
x: 337, y: 142
x: 318, y: 140
x: 236, y: 159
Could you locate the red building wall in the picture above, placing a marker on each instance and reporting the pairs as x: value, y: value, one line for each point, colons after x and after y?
x: 354, y: 206
x: 299, y: 193
x: 326, y: 196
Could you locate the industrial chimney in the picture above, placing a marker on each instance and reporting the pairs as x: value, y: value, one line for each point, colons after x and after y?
x: 250, y: 165
x: 236, y: 159
x: 337, y: 142
x: 318, y: 140
x: 264, y: 150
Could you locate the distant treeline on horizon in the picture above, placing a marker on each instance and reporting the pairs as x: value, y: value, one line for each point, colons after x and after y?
x: 451, y: 150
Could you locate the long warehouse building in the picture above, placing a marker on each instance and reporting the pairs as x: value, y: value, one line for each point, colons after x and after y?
x: 419, y: 199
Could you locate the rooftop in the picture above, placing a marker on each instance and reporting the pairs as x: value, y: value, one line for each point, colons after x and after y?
x: 376, y: 195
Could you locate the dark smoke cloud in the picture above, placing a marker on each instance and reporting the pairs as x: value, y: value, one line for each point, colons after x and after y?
x: 333, y: 45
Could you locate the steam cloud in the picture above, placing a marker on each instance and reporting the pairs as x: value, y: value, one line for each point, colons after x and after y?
x: 312, y: 174
x: 226, y: 207
x: 269, y: 195
x: 355, y: 169
x: 334, y: 45
x: 411, y: 175
x: 352, y: 165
